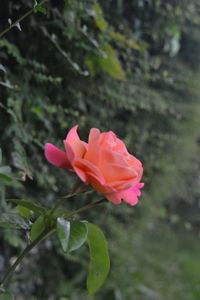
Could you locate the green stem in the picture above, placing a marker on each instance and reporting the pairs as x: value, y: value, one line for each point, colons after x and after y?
x: 29, y: 12
x: 12, y: 269
x: 84, y: 208
x: 74, y: 192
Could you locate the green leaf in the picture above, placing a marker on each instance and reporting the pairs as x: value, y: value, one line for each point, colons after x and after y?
x: 23, y: 211
x: 99, y: 19
x: 13, y: 238
x: 5, y: 178
x: 78, y: 235
x: 63, y: 232
x: 123, y: 40
x: 110, y: 64
x: 37, y: 228
x: 99, y: 264
x: 38, y: 209
x: 6, y: 296
x: 39, y: 8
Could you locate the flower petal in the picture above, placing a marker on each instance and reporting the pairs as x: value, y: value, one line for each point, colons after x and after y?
x: 131, y: 195
x: 114, y: 172
x: 77, y: 146
x: 110, y: 157
x: 114, y: 198
x: 86, y: 166
x: 92, y: 153
x: 56, y: 156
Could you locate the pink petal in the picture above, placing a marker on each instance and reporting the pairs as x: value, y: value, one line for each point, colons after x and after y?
x: 56, y: 156
x: 99, y: 185
x: 69, y: 152
x: 121, y: 184
x: 92, y: 153
x: 136, y: 163
x: 86, y: 166
x: 114, y: 198
x: 81, y: 174
x: 111, y: 157
x: 77, y: 146
x: 129, y: 196
x: 114, y: 172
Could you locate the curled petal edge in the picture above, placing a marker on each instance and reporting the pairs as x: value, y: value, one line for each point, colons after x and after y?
x: 130, y: 196
x: 77, y: 146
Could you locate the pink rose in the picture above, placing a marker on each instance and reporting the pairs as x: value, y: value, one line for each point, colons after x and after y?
x: 103, y: 162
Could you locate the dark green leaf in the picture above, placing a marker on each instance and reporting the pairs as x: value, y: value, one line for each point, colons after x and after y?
x: 21, y: 161
x: 5, y: 178
x: 78, y: 235
x: 99, y: 264
x: 40, y: 8
x: 37, y: 228
x: 63, y: 232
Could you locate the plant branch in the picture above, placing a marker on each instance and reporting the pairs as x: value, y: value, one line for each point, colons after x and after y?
x: 29, y: 12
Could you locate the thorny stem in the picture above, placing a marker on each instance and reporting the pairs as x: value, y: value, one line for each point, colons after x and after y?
x: 46, y: 233
x: 29, y: 12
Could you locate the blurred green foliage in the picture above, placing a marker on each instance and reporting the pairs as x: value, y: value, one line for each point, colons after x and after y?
x: 127, y: 66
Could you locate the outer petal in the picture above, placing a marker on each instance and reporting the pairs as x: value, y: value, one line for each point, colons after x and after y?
x: 92, y: 153
x: 129, y: 196
x: 89, y: 173
x: 136, y: 163
x: 77, y: 146
x: 56, y: 156
x: 114, y: 198
x: 86, y: 167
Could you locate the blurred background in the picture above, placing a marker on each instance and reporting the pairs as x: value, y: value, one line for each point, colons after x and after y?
x: 129, y: 66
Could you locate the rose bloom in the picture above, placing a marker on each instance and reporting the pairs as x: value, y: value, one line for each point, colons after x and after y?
x: 103, y: 162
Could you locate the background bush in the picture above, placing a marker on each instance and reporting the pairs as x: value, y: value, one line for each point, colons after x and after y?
x: 127, y: 66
